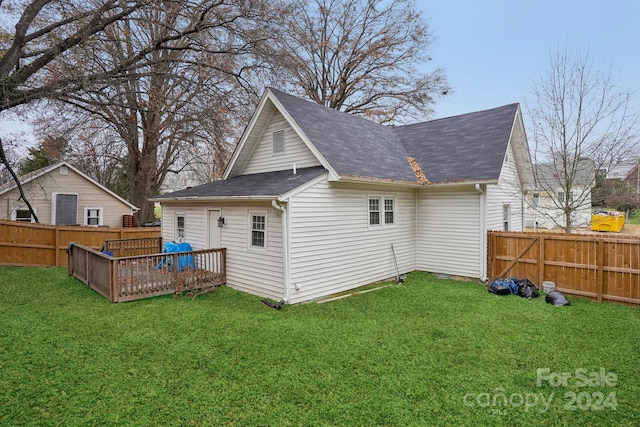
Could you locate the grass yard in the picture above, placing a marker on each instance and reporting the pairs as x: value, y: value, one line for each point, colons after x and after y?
x: 429, y: 352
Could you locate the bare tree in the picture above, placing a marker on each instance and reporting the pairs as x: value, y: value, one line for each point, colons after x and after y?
x: 580, y: 120
x: 120, y: 61
x: 360, y: 56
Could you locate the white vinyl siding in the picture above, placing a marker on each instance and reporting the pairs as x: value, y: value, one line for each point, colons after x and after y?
x: 259, y: 272
x: 508, y: 191
x: 264, y: 158
x: 449, y: 232
x: 332, y: 247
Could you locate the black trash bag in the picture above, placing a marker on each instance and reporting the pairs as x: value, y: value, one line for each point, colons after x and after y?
x: 556, y: 298
x: 502, y: 286
x: 526, y: 289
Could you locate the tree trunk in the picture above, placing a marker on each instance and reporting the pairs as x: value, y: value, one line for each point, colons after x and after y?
x: 4, y: 160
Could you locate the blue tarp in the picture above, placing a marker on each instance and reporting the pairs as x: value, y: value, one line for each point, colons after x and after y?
x: 184, y: 261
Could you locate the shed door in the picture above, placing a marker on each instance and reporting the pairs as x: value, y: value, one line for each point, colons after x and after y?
x: 66, y: 209
x: 214, y: 230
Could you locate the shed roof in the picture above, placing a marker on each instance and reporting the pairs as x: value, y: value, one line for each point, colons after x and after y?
x: 34, y: 175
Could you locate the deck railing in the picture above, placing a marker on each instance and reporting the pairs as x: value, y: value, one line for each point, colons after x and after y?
x: 135, y: 277
x: 133, y: 247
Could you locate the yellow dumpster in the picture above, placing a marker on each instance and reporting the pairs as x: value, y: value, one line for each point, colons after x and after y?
x: 607, y: 221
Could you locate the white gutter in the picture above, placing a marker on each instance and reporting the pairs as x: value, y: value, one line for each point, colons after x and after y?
x: 483, y: 234
x: 285, y: 249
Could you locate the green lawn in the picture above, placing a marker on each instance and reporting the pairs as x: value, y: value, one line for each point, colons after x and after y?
x: 429, y: 352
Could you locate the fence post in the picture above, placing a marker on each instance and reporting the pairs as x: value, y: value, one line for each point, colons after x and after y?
x: 56, y: 255
x: 490, y: 254
x: 114, y: 281
x: 600, y: 269
x: 541, y: 259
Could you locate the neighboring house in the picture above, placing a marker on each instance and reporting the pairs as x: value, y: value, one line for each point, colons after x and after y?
x: 622, y: 170
x: 632, y: 180
x: 543, y: 202
x: 61, y: 194
x: 315, y: 201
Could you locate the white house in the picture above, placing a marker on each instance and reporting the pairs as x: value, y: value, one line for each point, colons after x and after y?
x: 314, y: 200
x: 544, y: 201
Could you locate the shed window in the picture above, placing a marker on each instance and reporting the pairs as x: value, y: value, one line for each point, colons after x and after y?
x: 93, y: 216
x: 536, y: 200
x: 23, y: 215
x: 278, y: 142
x: 181, y: 224
x: 258, y: 229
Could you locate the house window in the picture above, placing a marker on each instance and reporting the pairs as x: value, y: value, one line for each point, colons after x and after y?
x: 258, y: 229
x: 389, y: 211
x: 561, y: 197
x: 181, y: 222
x: 23, y: 215
x: 382, y: 211
x: 93, y: 216
x: 374, y: 211
x: 536, y: 200
x: 278, y: 142
x: 506, y: 216
x: 63, y: 170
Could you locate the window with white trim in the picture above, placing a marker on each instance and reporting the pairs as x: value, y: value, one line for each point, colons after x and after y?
x: 374, y: 211
x: 278, y: 142
x: 382, y: 211
x: 181, y: 227
x: 506, y: 216
x: 536, y: 200
x: 93, y: 216
x: 258, y: 224
x: 23, y: 215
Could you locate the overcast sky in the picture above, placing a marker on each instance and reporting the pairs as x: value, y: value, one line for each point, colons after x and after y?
x: 492, y: 50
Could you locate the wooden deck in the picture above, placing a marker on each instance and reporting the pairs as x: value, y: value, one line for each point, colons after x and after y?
x: 135, y: 277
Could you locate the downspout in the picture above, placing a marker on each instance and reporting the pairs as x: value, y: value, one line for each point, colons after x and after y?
x: 483, y: 234
x: 285, y: 249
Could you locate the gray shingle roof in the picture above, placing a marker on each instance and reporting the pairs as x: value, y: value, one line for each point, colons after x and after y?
x: 268, y: 184
x: 353, y: 146
x: 550, y: 175
x: 466, y: 148
x: 469, y: 147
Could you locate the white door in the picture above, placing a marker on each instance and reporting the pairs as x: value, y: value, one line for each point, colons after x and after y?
x: 214, y: 230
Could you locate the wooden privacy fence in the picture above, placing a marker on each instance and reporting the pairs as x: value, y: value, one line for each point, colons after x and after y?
x: 40, y: 245
x: 135, y: 277
x: 590, y: 265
